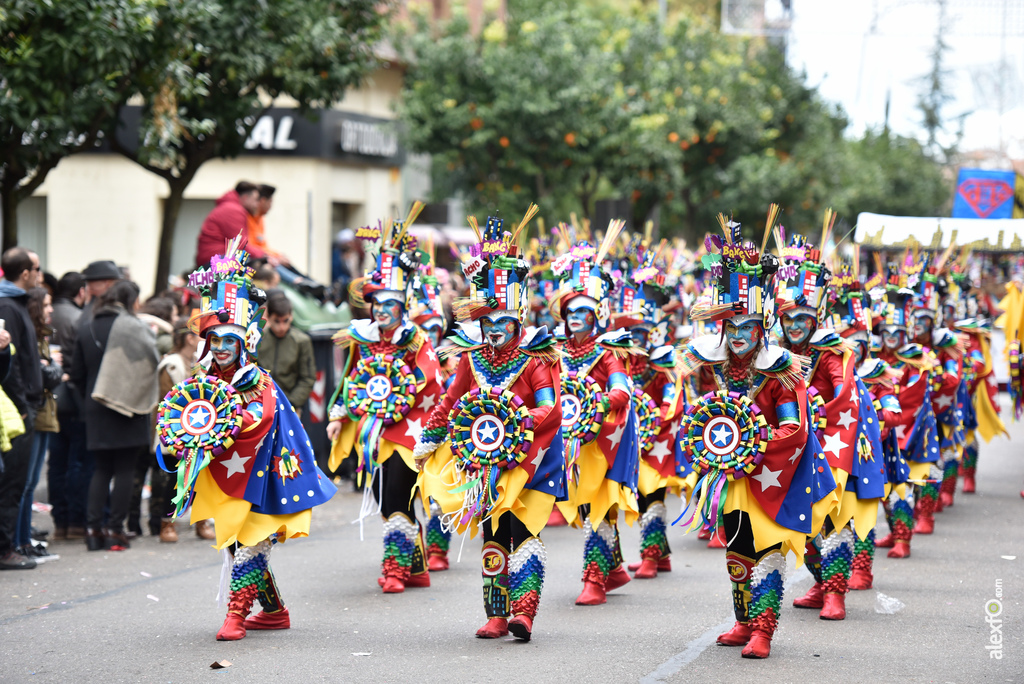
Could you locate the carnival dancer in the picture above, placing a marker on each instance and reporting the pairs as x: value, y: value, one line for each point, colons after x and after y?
x: 917, y: 435
x: 598, y: 416
x: 950, y: 392
x: 491, y: 450
x: 244, y: 458
x: 641, y: 298
x: 390, y: 381
x: 962, y: 310
x: 832, y: 382
x: 750, y: 440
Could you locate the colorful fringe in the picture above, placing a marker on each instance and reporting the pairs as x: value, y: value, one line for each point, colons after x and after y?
x: 970, y: 458
x: 812, y: 558
x: 438, y: 540
x: 653, y: 540
x: 526, y: 576
x: 836, y: 561
x: 598, y: 551
x: 399, y: 546
x: 900, y: 517
x: 864, y: 553
x: 766, y: 586
x: 249, y: 569
x: 928, y: 495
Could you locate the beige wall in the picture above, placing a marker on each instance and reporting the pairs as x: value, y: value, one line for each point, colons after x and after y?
x: 105, y: 207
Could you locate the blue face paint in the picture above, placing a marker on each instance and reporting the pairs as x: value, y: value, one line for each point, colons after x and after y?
x: 544, y: 317
x: 922, y: 326
x: 388, y: 313
x: 742, y: 339
x: 798, y: 327
x: 860, y: 352
x: 434, y: 332
x: 640, y: 335
x: 500, y: 332
x: 580, y: 321
x: 226, y: 350
x: 892, y: 339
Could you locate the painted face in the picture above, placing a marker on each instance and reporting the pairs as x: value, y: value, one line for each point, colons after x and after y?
x: 743, y: 338
x: 580, y: 321
x: 798, y: 327
x: 435, y: 333
x: 500, y: 331
x: 544, y: 317
x: 860, y: 352
x: 892, y: 338
x: 226, y: 350
x: 388, y: 313
x: 640, y: 335
x: 922, y: 326
x: 658, y: 336
x: 949, y: 314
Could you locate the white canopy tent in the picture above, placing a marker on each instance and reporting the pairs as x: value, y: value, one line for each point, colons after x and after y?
x: 878, y: 231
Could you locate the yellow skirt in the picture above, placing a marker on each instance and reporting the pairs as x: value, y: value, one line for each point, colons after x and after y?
x: 342, y: 448
x: 234, y: 520
x: 650, y: 481
x: 841, y: 513
x: 592, y: 488
x: 767, y: 532
x: 438, y: 478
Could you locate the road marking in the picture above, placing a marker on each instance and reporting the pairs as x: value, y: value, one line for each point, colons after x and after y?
x: 700, y: 644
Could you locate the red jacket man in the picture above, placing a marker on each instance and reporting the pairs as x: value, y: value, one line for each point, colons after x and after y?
x: 228, y: 219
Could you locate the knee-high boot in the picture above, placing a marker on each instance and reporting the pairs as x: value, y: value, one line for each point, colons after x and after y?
x: 836, y: 558
x: 247, y: 581
x: 861, y: 577
x: 654, y: 550
x: 598, y: 561
x: 766, y: 585
x: 526, y: 582
x: 496, y: 598
x: 438, y: 540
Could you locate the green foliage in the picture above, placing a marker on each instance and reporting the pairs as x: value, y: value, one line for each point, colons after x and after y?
x: 572, y: 102
x: 65, y: 68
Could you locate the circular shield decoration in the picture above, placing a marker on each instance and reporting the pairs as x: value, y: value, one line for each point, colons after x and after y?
x: 725, y: 431
x: 648, y: 418
x: 490, y: 428
x: 383, y: 386
x: 816, y: 417
x: 582, y: 407
x: 201, y: 414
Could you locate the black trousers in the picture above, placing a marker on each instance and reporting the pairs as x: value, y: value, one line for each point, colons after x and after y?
x: 510, y: 532
x: 399, y: 481
x: 657, y: 496
x: 117, y: 465
x: 12, y: 486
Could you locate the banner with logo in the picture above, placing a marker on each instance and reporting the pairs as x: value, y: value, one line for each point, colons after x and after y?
x: 984, y: 194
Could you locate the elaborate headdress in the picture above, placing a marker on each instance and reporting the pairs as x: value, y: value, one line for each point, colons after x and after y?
x: 395, y: 265
x: 582, y: 275
x: 894, y: 302
x: 498, y: 277
x: 803, y: 277
x: 851, y: 313
x: 742, y: 275
x: 230, y: 304
x: 642, y: 293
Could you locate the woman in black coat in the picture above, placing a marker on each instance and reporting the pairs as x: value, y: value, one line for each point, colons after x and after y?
x: 115, y: 440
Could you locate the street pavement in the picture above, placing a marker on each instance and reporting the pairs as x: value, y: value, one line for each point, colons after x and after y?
x: 149, y: 614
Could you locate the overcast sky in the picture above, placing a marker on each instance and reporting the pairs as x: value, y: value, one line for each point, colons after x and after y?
x: 858, y: 52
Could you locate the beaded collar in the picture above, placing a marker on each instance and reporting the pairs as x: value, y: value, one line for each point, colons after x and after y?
x: 497, y: 367
x: 581, y: 356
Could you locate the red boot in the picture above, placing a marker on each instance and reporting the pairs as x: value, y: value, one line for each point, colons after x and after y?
x: 556, y: 519
x: 945, y: 499
x: 437, y: 559
x: 704, y: 533
x: 814, y: 598
x: 924, y: 516
x: 664, y: 565
x: 968, y: 481
x: 900, y: 549
x: 717, y: 540
x: 395, y: 577
x: 860, y: 579
x: 739, y: 635
x: 276, y: 620
x: 593, y: 593
x: 759, y: 646
x: 885, y: 542
x: 834, y: 607
x: 618, y: 577
x: 494, y: 629
x: 233, y: 628
x: 521, y: 627
x: 239, y: 606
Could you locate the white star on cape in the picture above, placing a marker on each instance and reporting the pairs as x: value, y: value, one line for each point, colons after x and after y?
x: 439, y: 378
x: 540, y: 457
x: 721, y: 436
x: 235, y: 464
x: 198, y: 417
x: 616, y: 436
x: 944, y: 402
x: 488, y: 431
x: 660, y: 451
x: 834, y: 444
x: 846, y: 419
x: 796, y: 455
x: 431, y: 355
x: 855, y: 398
x: 428, y: 402
x: 768, y: 478
x: 414, y: 428
x: 901, y: 431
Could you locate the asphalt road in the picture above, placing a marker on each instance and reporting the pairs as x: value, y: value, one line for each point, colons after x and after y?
x: 149, y: 615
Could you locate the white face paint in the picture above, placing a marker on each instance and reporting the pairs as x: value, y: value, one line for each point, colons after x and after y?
x: 922, y: 326
x: 892, y: 338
